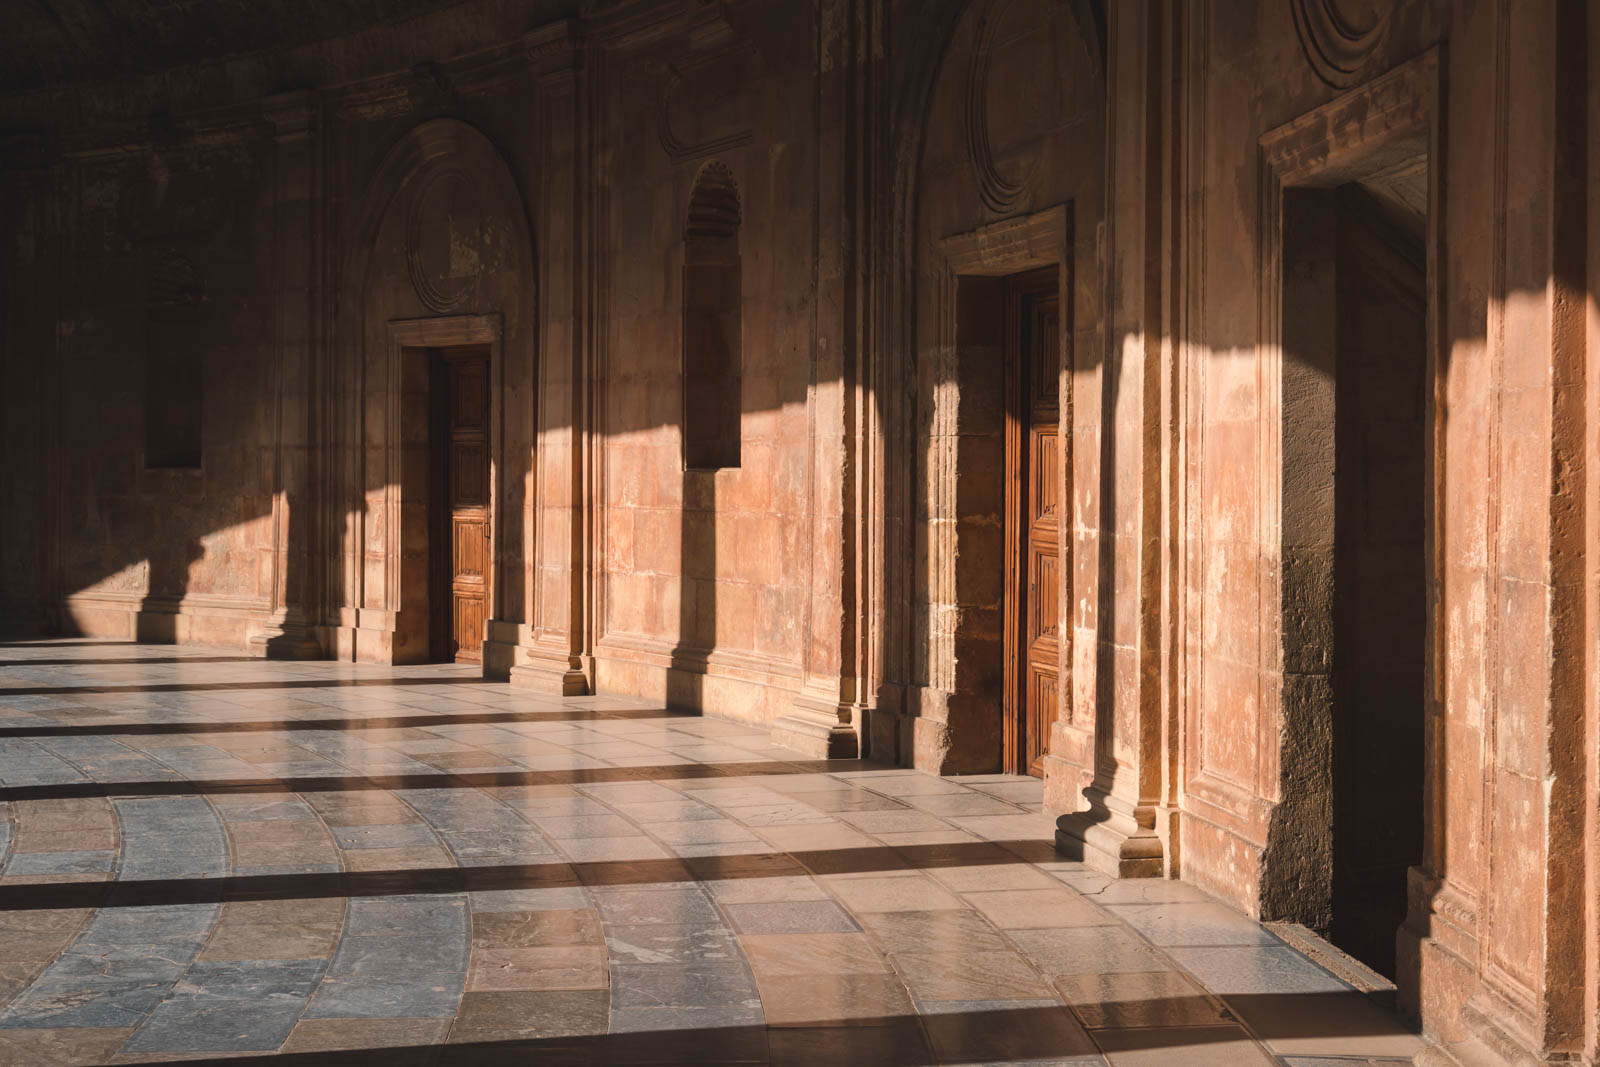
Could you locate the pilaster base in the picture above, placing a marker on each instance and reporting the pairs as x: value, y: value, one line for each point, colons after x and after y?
x: 545, y: 672
x: 1111, y: 840
x: 287, y: 636
x: 818, y: 728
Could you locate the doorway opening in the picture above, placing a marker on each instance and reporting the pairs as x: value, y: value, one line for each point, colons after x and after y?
x: 1357, y: 438
x: 1031, y: 639
x: 458, y: 502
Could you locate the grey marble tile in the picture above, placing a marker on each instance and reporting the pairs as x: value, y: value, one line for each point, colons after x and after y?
x: 672, y: 943
x: 791, y: 917
x: 696, y: 985
x: 655, y: 906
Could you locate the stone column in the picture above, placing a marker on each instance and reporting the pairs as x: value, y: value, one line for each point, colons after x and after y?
x: 553, y: 650
x: 292, y: 120
x: 1122, y: 696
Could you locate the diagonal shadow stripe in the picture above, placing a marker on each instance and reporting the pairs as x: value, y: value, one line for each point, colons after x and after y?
x: 225, y: 687
x: 453, y: 780
x: 976, y: 1035
x: 132, y: 661
x: 556, y: 874
x: 386, y: 722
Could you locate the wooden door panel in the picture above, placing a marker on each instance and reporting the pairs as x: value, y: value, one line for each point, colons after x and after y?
x: 1034, y: 367
x: 464, y: 534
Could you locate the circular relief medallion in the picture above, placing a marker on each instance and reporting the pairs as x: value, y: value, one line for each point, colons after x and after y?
x: 445, y: 240
x: 1341, y: 37
x: 1030, y: 78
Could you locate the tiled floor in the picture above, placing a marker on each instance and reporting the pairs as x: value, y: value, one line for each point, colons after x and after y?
x: 208, y: 855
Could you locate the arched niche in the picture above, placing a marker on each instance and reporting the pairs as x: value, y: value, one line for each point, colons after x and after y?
x: 441, y: 254
x: 1007, y: 181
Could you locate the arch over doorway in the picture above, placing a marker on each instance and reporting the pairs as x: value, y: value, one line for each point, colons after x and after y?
x: 442, y: 238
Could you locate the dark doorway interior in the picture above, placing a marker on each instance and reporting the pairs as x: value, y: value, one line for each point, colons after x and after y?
x: 1380, y: 583
x: 458, y: 390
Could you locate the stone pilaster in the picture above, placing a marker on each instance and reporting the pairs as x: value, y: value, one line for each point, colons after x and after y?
x: 287, y: 633
x: 553, y: 653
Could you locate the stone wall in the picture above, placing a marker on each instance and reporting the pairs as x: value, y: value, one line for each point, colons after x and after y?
x: 527, y: 186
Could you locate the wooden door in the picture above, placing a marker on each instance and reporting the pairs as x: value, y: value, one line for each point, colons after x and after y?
x: 1035, y: 481
x: 461, y: 548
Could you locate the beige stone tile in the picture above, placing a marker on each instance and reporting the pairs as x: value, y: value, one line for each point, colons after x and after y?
x: 311, y: 911
x: 544, y: 967
x: 894, y: 892
x: 1008, y: 1032
x: 920, y: 931
x: 986, y: 877
x: 1139, y: 998
x: 833, y: 1000
x: 1206, y: 1046
x: 954, y: 972
x: 396, y: 859
x: 520, y: 929
x: 1088, y: 950
x: 64, y: 1047
x: 1324, y: 1024
x: 333, y: 1035
x: 33, y: 946
x: 269, y: 941
x: 30, y: 840
x: 1014, y: 909
x: 784, y: 955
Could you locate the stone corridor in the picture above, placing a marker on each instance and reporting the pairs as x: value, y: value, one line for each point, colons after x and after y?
x: 207, y: 855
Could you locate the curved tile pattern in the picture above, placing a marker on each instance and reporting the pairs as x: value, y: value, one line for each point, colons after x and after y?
x: 349, y: 864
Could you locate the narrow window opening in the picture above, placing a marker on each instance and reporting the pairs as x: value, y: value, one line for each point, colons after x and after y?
x: 712, y: 323
x: 174, y: 370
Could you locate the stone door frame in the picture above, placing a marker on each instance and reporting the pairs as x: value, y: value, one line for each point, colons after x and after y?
x: 1397, y: 112
x: 1000, y: 249
x: 408, y: 607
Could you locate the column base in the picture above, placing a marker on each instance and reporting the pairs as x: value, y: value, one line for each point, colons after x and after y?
x: 1111, y: 839
x: 287, y: 636
x: 545, y: 672
x: 818, y: 728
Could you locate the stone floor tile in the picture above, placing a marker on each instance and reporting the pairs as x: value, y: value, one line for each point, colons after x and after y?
x: 1185, y: 923
x: 516, y: 929
x: 959, y: 973
x: 791, y: 917
x: 334, y: 1035
x: 1087, y: 950
x: 1013, y: 909
x: 548, y: 1013
x: 695, y: 985
x: 786, y: 955
x: 1138, y: 998
x: 421, y: 996
x: 901, y: 1043
x: 814, y: 1000
x: 917, y: 931
x: 61, y: 1046
x: 688, y: 904
x: 611, y: 849
x: 269, y: 941
x: 894, y: 892
x: 671, y: 943
x: 1031, y: 1031
x: 537, y: 967
x: 759, y: 888
x: 391, y: 835
x: 1209, y: 1046
x: 1324, y: 1024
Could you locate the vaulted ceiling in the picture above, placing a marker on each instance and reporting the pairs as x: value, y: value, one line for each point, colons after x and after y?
x: 50, y: 42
